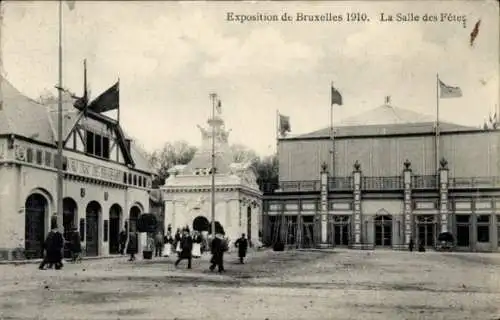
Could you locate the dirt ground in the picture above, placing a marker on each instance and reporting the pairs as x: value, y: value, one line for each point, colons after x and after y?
x: 343, y: 284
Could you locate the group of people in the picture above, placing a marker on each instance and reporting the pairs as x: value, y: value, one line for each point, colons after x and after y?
x: 188, y: 245
x: 54, y: 246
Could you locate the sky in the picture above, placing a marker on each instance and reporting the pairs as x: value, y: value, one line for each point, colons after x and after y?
x: 169, y: 56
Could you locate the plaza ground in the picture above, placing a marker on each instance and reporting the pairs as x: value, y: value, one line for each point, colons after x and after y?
x: 343, y: 284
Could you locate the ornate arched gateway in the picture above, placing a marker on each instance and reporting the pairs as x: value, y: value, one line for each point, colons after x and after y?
x: 92, y: 228
x: 36, y: 208
x: 115, y: 216
x: 201, y: 223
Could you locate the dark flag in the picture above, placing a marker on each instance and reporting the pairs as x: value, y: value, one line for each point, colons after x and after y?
x: 284, y: 125
x: 474, y: 33
x: 336, y: 97
x: 108, y: 100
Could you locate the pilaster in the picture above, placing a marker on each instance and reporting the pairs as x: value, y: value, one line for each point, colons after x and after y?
x: 324, y: 206
x: 407, y: 204
x: 357, y: 244
x: 443, y: 196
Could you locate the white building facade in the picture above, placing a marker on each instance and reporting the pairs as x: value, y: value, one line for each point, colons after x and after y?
x: 238, y: 200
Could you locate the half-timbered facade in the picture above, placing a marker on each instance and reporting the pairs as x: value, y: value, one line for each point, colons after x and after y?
x: 106, y: 176
x: 384, y: 186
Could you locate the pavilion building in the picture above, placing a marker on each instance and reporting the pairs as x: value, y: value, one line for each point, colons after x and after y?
x: 187, y: 191
x: 383, y: 186
x: 107, y: 177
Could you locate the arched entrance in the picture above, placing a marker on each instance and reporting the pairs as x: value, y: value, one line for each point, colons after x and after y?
x: 115, y: 215
x: 201, y: 224
x: 249, y: 223
x: 92, y: 228
x: 383, y: 231
x: 36, y: 207
x: 135, y: 212
x: 69, y: 221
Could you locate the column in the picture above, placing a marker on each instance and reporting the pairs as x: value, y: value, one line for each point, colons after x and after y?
x: 407, y: 204
x: 357, y: 206
x: 443, y: 195
x: 324, y: 205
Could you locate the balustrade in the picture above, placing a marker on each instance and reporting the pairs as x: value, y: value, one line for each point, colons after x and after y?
x: 382, y: 183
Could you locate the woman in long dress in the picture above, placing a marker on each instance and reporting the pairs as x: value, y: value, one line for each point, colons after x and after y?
x: 196, y: 253
x: 167, y: 249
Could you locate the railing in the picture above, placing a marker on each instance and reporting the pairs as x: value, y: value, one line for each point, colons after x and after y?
x: 424, y: 182
x: 428, y: 182
x: 382, y: 183
x: 292, y: 186
x: 341, y: 183
x: 476, y: 182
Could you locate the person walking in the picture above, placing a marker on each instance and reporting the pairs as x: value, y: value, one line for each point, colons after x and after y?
x: 54, y: 245
x: 186, y: 246
x: 132, y: 245
x: 168, y: 241
x: 158, y: 244
x: 75, y: 246
x: 242, y: 245
x: 196, y: 244
x: 122, y: 238
x: 177, y: 241
x: 218, y: 247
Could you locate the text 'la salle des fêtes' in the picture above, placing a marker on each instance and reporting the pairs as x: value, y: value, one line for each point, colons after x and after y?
x: 414, y: 17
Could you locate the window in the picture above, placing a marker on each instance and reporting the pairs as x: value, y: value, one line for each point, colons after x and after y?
x: 39, y: 156
x: 105, y: 147
x: 89, y: 142
x: 483, y: 228
x: 98, y: 145
x: 29, y: 155
x: 498, y: 230
x: 125, y: 177
x: 48, y: 159
x: 135, y: 180
x: 129, y: 178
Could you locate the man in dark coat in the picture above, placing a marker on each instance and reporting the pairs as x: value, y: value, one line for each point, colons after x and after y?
x: 122, y: 241
x: 186, y: 249
x: 75, y: 246
x: 218, y: 247
x: 242, y: 245
x: 53, y: 246
x: 133, y: 245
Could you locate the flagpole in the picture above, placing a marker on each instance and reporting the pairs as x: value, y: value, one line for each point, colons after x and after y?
x: 332, y: 132
x: 213, y: 96
x: 60, y: 177
x: 437, y: 122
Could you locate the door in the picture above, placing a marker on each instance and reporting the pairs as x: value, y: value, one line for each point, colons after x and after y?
x: 383, y: 231
x: 114, y: 229
x: 34, y: 236
x: 426, y: 230
x: 92, y: 230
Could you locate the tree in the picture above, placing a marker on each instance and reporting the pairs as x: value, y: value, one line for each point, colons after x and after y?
x: 267, y: 171
x: 242, y: 153
x: 179, y: 152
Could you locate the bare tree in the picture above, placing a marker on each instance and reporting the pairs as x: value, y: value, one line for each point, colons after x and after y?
x: 242, y: 153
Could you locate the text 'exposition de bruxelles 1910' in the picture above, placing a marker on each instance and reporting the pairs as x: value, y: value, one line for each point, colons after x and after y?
x: 347, y: 17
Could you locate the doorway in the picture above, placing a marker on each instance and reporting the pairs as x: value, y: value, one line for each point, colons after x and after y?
x: 383, y: 231
x: 92, y: 228
x: 34, y: 224
x: 115, y: 213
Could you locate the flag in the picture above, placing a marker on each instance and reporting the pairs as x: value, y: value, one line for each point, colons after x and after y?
x: 449, y: 92
x: 219, y: 107
x: 474, y: 32
x: 284, y: 124
x: 108, y: 100
x: 71, y: 4
x: 336, y: 97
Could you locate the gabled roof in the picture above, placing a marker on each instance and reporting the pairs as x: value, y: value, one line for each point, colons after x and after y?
x: 385, y: 120
x: 25, y: 117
